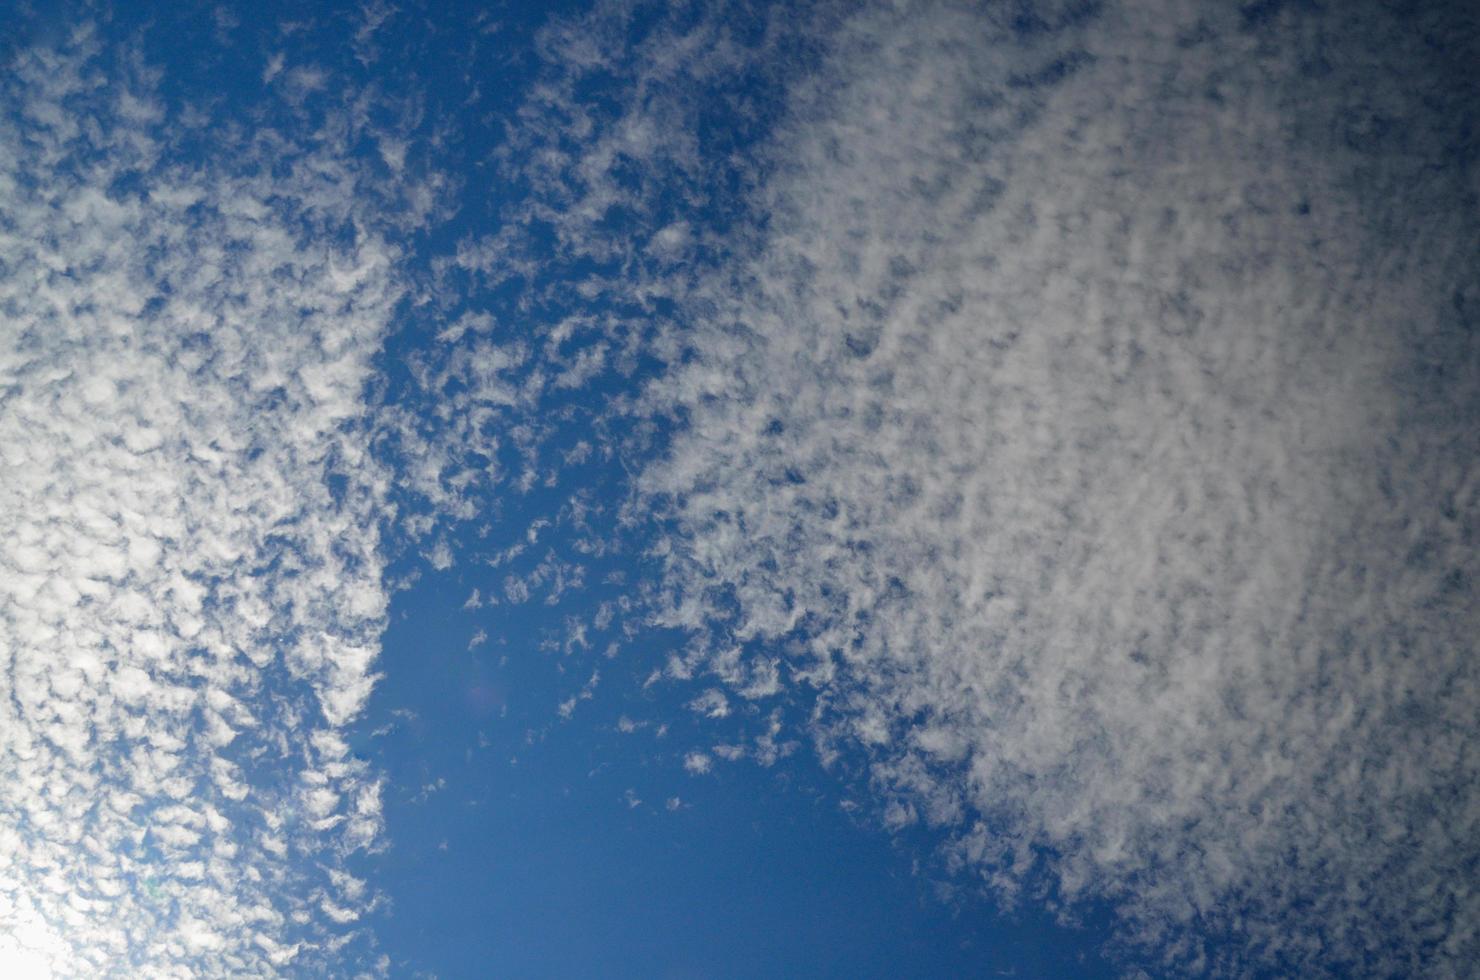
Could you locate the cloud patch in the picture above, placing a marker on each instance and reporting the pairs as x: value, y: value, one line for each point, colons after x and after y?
x: 1092, y: 423
x: 190, y: 594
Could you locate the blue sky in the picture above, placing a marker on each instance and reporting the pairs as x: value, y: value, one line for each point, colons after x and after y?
x: 738, y: 490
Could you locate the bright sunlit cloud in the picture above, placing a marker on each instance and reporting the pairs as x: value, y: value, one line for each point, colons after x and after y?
x: 27, y: 950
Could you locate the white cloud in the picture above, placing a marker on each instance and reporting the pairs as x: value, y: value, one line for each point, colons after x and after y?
x: 1094, y: 427
x: 697, y: 763
x: 711, y: 704
x: 586, y: 693
x: 186, y: 611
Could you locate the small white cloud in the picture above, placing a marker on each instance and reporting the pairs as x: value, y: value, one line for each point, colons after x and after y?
x: 711, y: 704
x: 440, y: 557
x: 670, y: 241
x: 393, y: 152
x: 697, y: 763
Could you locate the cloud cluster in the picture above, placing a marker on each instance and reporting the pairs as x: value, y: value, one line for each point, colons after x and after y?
x: 1095, y: 424
x: 190, y: 587
x: 554, y: 303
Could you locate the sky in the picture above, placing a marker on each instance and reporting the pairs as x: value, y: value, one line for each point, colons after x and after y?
x: 728, y: 489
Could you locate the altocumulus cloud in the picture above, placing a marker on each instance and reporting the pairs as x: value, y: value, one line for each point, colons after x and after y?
x: 1084, y: 427
x: 190, y: 599
x: 1093, y: 422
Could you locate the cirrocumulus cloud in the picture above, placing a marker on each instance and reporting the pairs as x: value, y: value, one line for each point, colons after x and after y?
x: 190, y: 596
x: 1093, y: 423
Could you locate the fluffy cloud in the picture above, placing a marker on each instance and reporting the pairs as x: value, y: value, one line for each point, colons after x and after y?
x: 190, y: 597
x: 1094, y: 423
